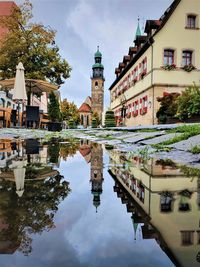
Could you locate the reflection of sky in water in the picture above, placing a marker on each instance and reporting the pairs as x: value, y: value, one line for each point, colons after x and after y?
x: 83, y: 237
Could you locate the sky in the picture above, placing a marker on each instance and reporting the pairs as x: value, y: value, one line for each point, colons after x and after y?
x: 82, y: 25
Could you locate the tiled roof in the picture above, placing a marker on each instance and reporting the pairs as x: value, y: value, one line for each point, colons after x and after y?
x: 85, y: 108
x: 147, y: 40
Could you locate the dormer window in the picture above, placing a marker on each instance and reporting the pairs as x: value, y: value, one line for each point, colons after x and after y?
x: 191, y: 21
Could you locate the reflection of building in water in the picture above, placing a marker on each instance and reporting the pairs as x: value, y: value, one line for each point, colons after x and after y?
x: 96, y: 174
x: 85, y: 150
x: 93, y: 154
x: 166, y: 200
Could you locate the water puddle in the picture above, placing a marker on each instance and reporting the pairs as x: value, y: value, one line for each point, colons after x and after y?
x: 83, y: 204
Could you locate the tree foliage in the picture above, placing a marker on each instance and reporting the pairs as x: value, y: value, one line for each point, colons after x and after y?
x: 189, y: 103
x: 69, y: 111
x: 32, y: 213
x: 34, y: 45
x: 54, y: 108
x: 168, y: 107
x: 95, y: 116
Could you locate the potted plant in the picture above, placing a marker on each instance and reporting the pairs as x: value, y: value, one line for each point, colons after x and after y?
x: 54, y: 113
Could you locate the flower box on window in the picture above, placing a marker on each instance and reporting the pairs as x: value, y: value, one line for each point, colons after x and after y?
x: 128, y: 115
x: 143, y: 74
x: 188, y: 67
x: 169, y: 67
x: 135, y: 113
x: 143, y: 110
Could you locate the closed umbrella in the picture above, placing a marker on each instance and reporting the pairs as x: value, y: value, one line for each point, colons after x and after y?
x: 19, y: 92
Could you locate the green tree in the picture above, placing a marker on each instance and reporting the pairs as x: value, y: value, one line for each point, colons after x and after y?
x: 168, y: 107
x: 34, y: 212
x: 189, y: 103
x: 95, y: 116
x: 69, y: 111
x: 54, y: 108
x: 34, y: 45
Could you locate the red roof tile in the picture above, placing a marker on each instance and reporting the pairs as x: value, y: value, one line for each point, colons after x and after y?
x: 85, y: 108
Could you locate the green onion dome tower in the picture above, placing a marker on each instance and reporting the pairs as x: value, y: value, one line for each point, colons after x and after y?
x: 97, y: 84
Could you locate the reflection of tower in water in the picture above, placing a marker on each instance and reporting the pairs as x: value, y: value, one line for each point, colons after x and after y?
x: 96, y: 174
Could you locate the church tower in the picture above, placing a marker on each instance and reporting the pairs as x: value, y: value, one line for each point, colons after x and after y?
x: 97, y: 84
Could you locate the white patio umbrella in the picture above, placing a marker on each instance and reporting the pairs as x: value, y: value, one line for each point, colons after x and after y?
x: 19, y: 91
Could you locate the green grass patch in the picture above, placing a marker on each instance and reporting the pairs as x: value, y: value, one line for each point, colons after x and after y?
x: 195, y: 150
x: 187, y: 132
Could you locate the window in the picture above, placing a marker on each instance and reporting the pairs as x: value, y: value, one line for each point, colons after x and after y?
x: 191, y: 21
x: 187, y: 237
x: 198, y: 237
x: 186, y: 58
x: 168, y: 57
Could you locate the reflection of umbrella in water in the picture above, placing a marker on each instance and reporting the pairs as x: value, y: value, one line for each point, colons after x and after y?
x: 32, y: 86
x: 19, y: 174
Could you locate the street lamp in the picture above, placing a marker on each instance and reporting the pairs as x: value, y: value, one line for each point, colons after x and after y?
x: 123, y: 110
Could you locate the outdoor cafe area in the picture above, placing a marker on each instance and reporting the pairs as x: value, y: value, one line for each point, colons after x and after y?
x: 31, y: 117
x: 23, y: 113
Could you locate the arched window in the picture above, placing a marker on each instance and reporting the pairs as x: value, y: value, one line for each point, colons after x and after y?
x: 96, y: 83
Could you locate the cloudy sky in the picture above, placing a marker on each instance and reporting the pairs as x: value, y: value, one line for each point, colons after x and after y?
x: 83, y: 24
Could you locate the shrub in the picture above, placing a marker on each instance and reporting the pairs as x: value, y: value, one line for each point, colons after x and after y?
x: 94, y: 123
x: 71, y: 124
x: 189, y: 103
x: 54, y: 108
x: 168, y: 107
x: 110, y: 119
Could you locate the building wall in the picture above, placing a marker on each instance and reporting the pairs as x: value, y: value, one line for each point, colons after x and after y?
x: 157, y: 80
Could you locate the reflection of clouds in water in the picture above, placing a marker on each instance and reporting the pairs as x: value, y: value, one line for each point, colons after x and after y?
x: 84, y: 238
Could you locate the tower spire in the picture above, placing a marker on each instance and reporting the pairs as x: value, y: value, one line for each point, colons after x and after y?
x: 138, y: 31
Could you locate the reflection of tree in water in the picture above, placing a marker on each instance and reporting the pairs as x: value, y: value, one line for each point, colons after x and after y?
x: 68, y: 149
x: 63, y: 150
x: 33, y: 212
